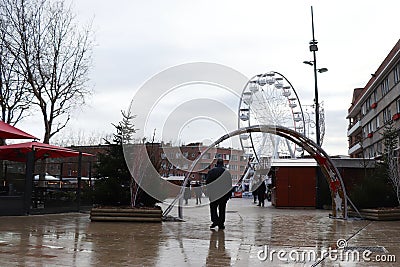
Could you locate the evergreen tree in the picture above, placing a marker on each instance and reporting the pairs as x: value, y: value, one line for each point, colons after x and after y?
x: 113, y: 187
x: 117, y: 186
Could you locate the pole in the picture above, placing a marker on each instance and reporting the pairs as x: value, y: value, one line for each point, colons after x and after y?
x: 30, y: 166
x: 318, y: 133
x: 78, y: 182
x: 314, y: 49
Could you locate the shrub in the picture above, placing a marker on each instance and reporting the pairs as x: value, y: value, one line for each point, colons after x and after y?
x: 111, y: 191
x: 373, y: 192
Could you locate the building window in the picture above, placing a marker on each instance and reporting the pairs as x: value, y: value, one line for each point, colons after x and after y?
x: 387, y: 116
x: 379, y: 148
x: 368, y: 104
x: 385, y: 87
x: 225, y: 156
x: 377, y: 123
x: 234, y: 157
x: 398, y: 105
x: 396, y: 74
x: 233, y: 167
x: 204, y: 166
x: 370, y: 127
x: 371, y: 152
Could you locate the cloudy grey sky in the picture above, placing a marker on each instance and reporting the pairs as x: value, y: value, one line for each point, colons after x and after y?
x: 135, y: 40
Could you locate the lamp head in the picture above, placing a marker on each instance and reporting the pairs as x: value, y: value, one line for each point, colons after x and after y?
x: 311, y: 63
x: 322, y: 70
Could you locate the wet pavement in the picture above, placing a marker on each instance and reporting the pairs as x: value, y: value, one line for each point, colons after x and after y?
x: 70, y: 239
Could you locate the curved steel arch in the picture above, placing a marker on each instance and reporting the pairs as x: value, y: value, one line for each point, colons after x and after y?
x: 331, y: 173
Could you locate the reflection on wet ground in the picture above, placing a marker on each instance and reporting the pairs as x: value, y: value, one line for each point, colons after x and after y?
x: 72, y: 240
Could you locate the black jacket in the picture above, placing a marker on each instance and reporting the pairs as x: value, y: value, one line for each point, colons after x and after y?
x: 219, y: 184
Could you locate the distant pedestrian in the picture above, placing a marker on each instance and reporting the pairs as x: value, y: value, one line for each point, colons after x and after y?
x: 187, y: 194
x: 261, y: 193
x: 219, y: 190
x: 255, y: 195
x: 197, y: 192
x: 253, y: 187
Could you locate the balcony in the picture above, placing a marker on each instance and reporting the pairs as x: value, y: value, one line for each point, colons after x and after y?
x: 354, y: 148
x: 354, y: 128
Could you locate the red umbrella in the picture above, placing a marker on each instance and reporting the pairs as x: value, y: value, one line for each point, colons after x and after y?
x: 18, y: 152
x: 10, y: 132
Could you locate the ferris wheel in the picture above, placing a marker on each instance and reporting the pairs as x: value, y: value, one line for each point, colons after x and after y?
x: 270, y: 99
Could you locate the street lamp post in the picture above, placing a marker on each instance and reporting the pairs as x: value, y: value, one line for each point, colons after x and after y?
x: 314, y: 49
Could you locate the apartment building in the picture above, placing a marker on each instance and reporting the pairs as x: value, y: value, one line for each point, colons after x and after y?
x: 176, y: 161
x: 373, y: 106
x: 170, y: 161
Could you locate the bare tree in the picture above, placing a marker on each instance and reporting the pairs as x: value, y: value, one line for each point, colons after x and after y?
x: 53, y: 54
x: 81, y: 138
x: 14, y: 97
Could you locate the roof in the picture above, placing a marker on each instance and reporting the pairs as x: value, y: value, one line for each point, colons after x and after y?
x: 309, y: 162
x: 338, y: 162
x: 10, y: 132
x: 18, y: 152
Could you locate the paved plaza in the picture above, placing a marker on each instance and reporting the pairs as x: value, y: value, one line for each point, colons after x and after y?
x: 70, y: 239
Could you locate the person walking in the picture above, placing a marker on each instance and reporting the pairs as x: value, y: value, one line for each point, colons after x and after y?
x: 197, y: 192
x: 255, y: 193
x: 261, y: 193
x: 219, y: 191
x: 187, y: 194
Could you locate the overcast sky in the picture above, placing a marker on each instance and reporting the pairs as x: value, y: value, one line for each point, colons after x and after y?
x: 135, y: 40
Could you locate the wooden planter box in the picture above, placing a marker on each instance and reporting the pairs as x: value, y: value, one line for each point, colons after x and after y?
x: 388, y: 214
x: 125, y: 214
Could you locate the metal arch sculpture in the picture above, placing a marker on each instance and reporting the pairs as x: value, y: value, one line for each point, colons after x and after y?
x: 331, y: 173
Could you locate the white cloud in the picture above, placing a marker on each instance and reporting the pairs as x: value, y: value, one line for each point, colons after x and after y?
x: 137, y: 39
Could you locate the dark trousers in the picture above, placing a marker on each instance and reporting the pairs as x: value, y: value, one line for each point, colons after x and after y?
x: 261, y: 199
x: 217, y: 210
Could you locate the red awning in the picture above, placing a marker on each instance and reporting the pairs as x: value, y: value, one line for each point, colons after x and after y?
x: 18, y: 152
x: 10, y: 132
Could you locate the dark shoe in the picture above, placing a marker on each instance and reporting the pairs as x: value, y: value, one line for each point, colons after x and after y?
x: 212, y: 226
x: 221, y: 227
x: 259, y: 205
